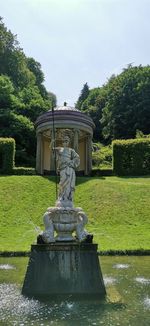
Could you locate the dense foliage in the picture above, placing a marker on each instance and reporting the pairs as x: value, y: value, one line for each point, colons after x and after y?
x: 93, y: 106
x: 84, y: 94
x: 131, y: 157
x: 22, y: 130
x: 101, y: 156
x: 24, y: 171
x: 22, y: 96
x: 121, y: 106
x: 7, y: 155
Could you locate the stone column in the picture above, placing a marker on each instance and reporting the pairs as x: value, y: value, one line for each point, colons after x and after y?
x: 88, y: 154
x: 76, y: 140
x: 52, y: 154
x: 38, y: 152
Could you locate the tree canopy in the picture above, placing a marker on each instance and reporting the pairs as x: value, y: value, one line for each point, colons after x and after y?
x: 23, y: 96
x: 121, y: 106
x: 128, y: 104
x: 83, y: 96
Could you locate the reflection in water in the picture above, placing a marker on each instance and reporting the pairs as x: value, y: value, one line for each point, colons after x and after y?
x: 70, y: 305
x: 109, y: 280
x: 7, y: 266
x: 142, y: 280
x: 15, y: 309
x: 126, y: 303
x: 10, y: 298
x: 121, y: 266
x: 147, y: 302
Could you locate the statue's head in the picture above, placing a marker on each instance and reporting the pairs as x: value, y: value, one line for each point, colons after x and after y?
x: 66, y: 141
x: 66, y: 137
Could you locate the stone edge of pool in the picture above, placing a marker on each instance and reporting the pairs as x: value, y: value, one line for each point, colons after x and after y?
x: 136, y: 252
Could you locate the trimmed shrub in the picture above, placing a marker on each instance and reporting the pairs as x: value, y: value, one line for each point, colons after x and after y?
x: 22, y: 130
x: 131, y: 157
x: 101, y: 172
x: 101, y: 156
x: 7, y: 155
x: 24, y: 171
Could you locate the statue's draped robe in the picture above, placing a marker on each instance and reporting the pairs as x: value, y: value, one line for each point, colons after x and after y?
x: 67, y: 161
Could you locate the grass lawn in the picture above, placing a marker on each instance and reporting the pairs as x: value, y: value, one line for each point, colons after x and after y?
x: 118, y: 210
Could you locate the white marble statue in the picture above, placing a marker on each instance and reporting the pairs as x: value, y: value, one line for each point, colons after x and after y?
x: 64, y: 220
x: 67, y: 161
x: 48, y: 234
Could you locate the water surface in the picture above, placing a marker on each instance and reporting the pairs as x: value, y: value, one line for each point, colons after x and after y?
x: 127, y: 303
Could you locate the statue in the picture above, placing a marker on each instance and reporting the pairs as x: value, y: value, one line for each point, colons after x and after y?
x: 48, y: 234
x: 64, y: 218
x: 67, y: 161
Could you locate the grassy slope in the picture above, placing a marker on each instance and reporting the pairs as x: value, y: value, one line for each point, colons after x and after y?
x: 117, y: 208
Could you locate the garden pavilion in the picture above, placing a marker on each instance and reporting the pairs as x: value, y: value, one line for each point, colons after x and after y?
x: 52, y: 124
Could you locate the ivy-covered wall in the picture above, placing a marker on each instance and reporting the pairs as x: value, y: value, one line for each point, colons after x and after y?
x: 131, y: 157
x: 7, y: 155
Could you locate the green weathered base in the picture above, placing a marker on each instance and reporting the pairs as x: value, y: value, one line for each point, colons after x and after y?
x: 64, y: 269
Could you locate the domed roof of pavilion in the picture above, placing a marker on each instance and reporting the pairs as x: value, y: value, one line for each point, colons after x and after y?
x: 65, y: 108
x: 65, y: 115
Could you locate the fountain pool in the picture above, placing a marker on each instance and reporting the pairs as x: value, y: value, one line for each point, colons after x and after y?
x: 127, y: 302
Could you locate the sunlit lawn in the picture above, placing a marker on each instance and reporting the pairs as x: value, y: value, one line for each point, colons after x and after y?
x: 118, y: 210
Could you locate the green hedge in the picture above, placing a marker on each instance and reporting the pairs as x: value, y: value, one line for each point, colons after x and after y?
x: 102, y: 156
x: 101, y: 172
x: 131, y: 157
x: 7, y: 155
x: 24, y: 171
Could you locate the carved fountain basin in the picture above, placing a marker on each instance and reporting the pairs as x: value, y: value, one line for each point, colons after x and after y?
x: 65, y: 221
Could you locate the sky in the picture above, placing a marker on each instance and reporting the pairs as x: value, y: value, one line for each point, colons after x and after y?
x: 80, y: 41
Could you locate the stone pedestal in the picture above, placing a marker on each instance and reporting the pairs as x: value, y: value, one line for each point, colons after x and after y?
x: 64, y: 269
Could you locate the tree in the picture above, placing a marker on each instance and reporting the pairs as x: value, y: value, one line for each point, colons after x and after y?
x: 121, y: 106
x: 24, y: 72
x: 8, y: 100
x: 128, y: 104
x: 7, y: 39
x: 13, y: 60
x: 22, y: 130
x: 52, y: 98
x: 93, y: 106
x: 23, y: 97
x: 83, y: 96
x: 34, y: 104
x: 35, y: 67
x: 6, y: 92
